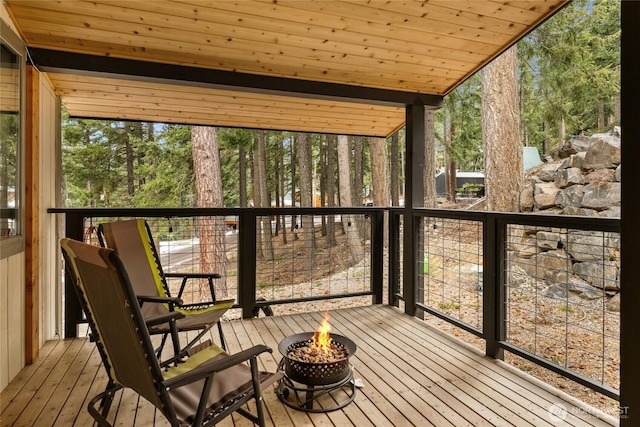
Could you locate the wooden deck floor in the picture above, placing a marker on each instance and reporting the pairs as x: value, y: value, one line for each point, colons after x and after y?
x: 412, y: 375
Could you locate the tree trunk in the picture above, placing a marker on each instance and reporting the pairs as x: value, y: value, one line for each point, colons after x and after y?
x: 242, y: 165
x: 281, y: 218
x: 331, y: 190
x: 504, y: 174
x: 450, y: 167
x: 600, y: 116
x: 395, y: 186
x: 380, y: 178
x: 323, y: 182
x: 264, y: 197
x: 547, y: 139
x: 344, y: 177
x: 306, y: 197
x: 129, y: 133
x: 208, y: 183
x: 294, y: 219
x: 430, y: 198
x: 562, y: 132
x: 358, y: 182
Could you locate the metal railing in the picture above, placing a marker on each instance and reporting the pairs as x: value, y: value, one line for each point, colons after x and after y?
x: 537, y: 286
x: 257, y: 273
x: 544, y: 288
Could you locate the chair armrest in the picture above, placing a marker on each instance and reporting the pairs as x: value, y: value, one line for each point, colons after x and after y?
x: 158, y: 299
x: 193, y: 275
x: 164, y: 318
x: 187, y: 276
x: 206, y: 369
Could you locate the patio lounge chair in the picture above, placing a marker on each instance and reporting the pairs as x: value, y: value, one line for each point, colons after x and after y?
x: 201, y: 389
x: 132, y: 239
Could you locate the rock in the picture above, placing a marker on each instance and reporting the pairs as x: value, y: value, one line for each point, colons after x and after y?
x: 588, y: 246
x: 613, y: 212
x: 573, y: 210
x: 614, y: 303
x: 550, y: 241
x: 574, y: 287
x: 551, y: 266
x: 526, y: 200
x: 603, y: 154
x: 544, y: 201
x: 618, y: 173
x: 599, y: 175
x: 575, y: 145
x: 567, y: 177
x: 583, y: 289
x: 545, y: 188
x: 601, y: 196
x: 571, y: 196
x: 602, y: 275
x: 547, y: 171
x: 577, y: 160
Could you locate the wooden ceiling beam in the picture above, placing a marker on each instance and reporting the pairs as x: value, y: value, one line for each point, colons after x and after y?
x: 127, y: 69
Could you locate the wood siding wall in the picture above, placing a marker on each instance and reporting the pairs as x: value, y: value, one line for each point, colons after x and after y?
x: 13, y: 269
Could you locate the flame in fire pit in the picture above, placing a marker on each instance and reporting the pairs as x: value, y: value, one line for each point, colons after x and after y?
x: 322, y: 338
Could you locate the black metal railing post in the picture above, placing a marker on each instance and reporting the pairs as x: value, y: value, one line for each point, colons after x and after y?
x: 377, y: 255
x: 74, y: 229
x: 247, y: 254
x: 394, y: 258
x: 493, y: 294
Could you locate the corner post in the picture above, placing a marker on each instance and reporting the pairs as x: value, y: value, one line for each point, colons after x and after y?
x: 413, y: 198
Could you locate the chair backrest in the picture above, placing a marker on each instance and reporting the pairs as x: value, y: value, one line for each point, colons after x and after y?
x: 112, y: 309
x: 133, y: 241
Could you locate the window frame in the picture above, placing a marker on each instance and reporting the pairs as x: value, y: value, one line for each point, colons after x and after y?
x: 16, y: 244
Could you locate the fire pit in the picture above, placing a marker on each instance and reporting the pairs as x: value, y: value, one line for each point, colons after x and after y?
x: 316, y: 364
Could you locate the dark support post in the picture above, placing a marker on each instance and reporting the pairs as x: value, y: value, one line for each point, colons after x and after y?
x: 247, y: 263
x: 74, y: 229
x: 413, y: 198
x: 492, y: 290
x: 394, y: 258
x: 377, y: 255
x: 630, y: 223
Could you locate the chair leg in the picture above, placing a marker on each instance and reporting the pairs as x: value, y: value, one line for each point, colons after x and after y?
x: 222, y: 340
x: 255, y: 375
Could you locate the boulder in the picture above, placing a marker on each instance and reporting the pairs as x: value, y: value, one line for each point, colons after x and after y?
x: 550, y: 240
x: 603, y: 154
x: 602, y: 275
x: 575, y: 145
x: 551, y: 266
x: 599, y: 175
x: 614, y: 303
x: 544, y: 201
x: 602, y: 195
x: 567, y: 177
x: 613, y: 212
x: 588, y: 246
x: 617, y: 175
x: 571, y: 196
x: 576, y: 211
x: 547, y: 171
x: 526, y: 200
x: 574, y: 287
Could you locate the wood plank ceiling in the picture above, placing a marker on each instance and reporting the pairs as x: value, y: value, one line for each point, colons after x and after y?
x: 416, y: 47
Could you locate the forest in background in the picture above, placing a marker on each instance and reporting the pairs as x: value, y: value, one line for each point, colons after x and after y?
x: 568, y: 73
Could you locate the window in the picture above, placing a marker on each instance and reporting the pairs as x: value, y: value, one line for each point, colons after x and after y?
x: 11, y: 142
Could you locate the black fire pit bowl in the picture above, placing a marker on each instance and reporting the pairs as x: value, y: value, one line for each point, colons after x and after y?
x: 315, y: 373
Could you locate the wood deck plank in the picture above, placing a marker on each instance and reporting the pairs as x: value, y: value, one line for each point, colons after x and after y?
x: 458, y: 382
x: 541, y: 397
x: 413, y: 375
x: 41, y: 389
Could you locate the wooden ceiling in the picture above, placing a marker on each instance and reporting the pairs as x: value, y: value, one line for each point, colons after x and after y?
x: 414, y: 47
